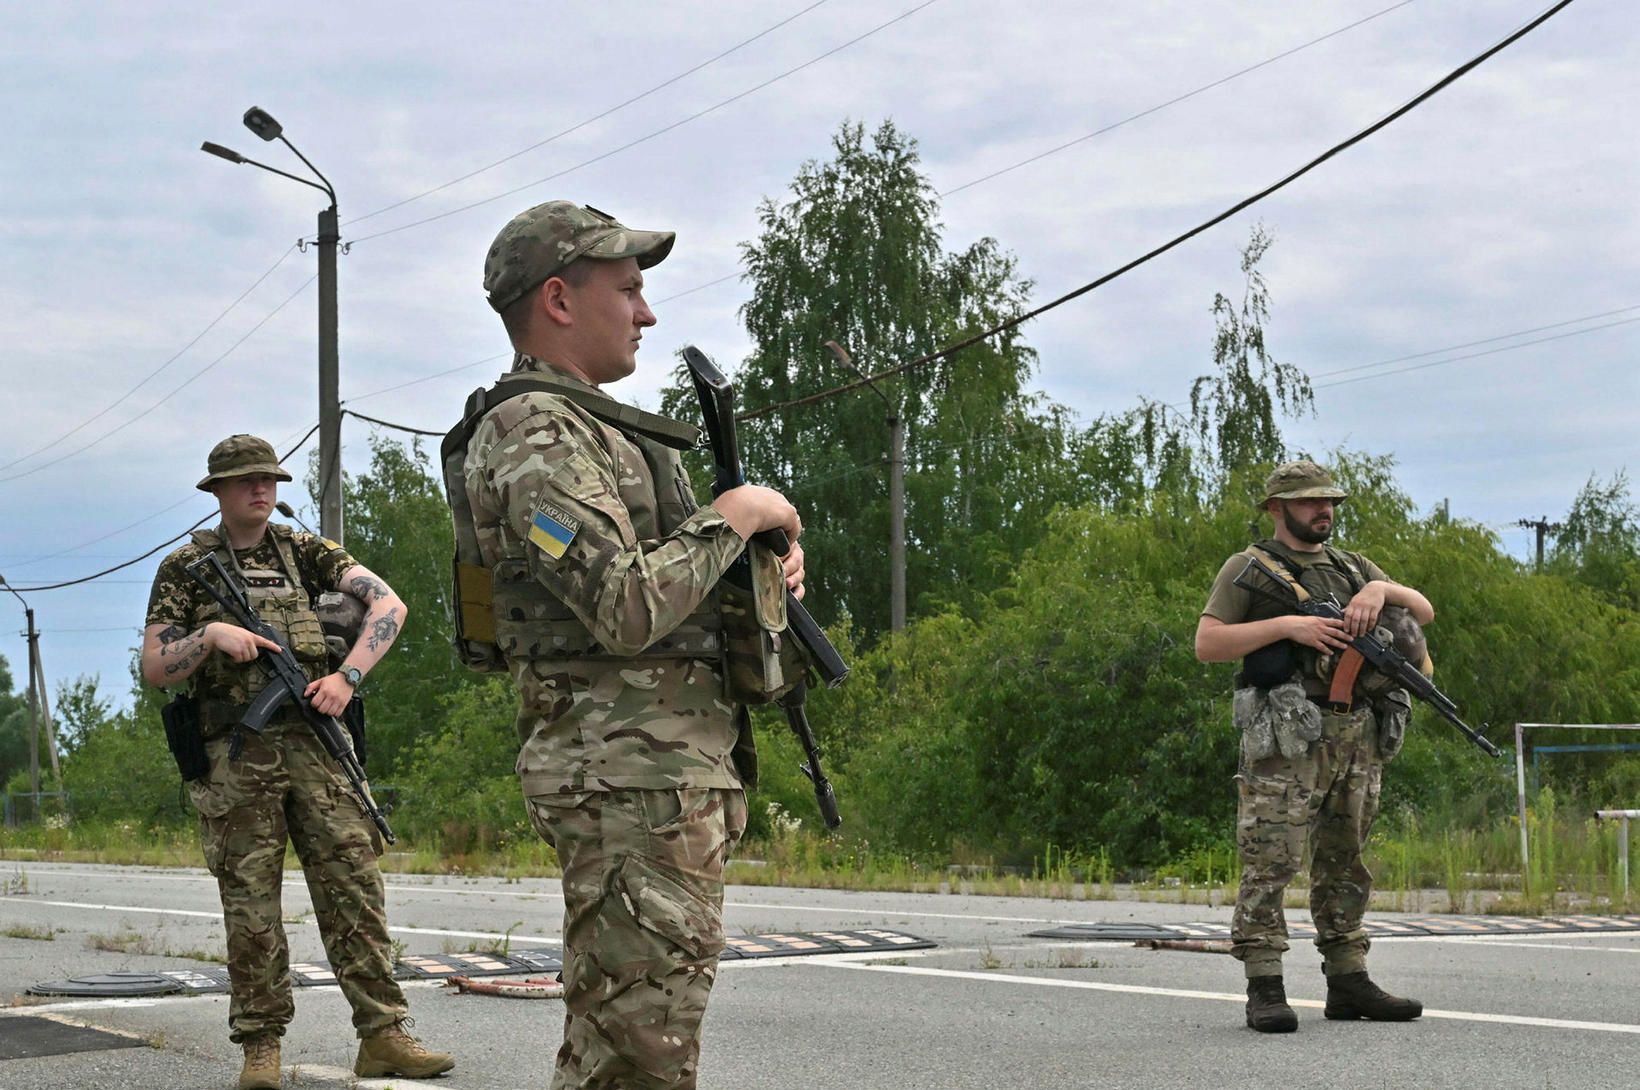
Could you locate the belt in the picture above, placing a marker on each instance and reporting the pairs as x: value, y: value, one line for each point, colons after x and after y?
x: 1334, y: 706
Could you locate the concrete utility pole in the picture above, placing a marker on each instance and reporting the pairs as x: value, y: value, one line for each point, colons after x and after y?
x: 896, y: 495
x: 1543, y: 527
x: 35, y: 697
x: 260, y: 122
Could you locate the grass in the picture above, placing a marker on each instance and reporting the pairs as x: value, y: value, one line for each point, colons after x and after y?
x: 1420, y: 865
x: 21, y: 931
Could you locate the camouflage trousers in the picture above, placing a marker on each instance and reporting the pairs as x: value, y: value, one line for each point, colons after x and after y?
x: 1328, y: 796
x: 643, y: 927
x: 284, y: 786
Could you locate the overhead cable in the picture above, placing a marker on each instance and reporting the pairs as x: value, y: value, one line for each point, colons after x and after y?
x: 187, y: 382
x: 597, y: 117
x: 145, y: 379
x: 1239, y: 206
x: 697, y: 115
x: 156, y: 548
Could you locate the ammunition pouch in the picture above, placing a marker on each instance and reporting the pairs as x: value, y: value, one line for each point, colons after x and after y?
x: 1270, y: 665
x: 764, y: 661
x: 1393, y: 711
x: 184, y: 737
x: 1281, y: 719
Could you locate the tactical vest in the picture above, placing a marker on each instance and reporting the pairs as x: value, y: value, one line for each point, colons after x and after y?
x: 1340, y: 577
x: 503, y: 612
x: 223, y: 686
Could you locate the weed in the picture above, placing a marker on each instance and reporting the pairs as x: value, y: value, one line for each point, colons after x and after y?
x: 122, y: 942
x: 16, y: 885
x: 22, y: 931
x: 987, y: 959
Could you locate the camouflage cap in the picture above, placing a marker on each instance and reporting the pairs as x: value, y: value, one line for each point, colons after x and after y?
x: 542, y: 240
x: 241, y: 456
x: 1302, y: 480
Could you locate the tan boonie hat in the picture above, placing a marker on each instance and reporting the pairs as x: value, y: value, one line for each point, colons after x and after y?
x: 1301, y: 481
x: 241, y: 456
x: 542, y: 240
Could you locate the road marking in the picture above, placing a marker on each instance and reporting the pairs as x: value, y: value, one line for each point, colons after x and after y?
x: 1478, y: 940
x: 895, y: 912
x: 495, y: 936
x: 1222, y: 997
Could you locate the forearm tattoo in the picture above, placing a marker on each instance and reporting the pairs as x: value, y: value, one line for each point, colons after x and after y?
x: 366, y: 589
x: 181, y: 653
x: 384, y: 629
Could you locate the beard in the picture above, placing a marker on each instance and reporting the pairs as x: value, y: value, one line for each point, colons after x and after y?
x: 1304, y: 532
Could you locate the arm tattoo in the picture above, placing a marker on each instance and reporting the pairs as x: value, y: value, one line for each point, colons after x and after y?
x: 384, y: 629
x: 187, y: 662
x: 172, y: 634
x: 366, y: 589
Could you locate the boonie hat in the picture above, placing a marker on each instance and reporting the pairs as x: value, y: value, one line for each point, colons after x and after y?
x: 539, y: 242
x: 241, y: 456
x: 1303, y: 480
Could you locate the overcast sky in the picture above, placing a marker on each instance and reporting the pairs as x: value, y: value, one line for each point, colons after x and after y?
x: 1504, y: 204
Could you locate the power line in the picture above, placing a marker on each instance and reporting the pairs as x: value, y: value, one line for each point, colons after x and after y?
x: 429, y: 378
x: 1174, y: 101
x: 658, y: 132
x: 390, y: 424
x: 145, y: 379
x: 966, y: 342
x: 596, y: 117
x: 1475, y: 355
x: 156, y: 548
x: 187, y: 382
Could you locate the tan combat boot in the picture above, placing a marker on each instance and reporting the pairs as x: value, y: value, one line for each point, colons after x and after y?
x: 261, y: 1070
x: 392, y: 1051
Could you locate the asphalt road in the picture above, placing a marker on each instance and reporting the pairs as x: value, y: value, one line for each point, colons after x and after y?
x: 988, y: 1008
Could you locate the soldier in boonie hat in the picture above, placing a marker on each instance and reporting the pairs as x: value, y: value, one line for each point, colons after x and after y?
x: 1301, y: 480
x: 241, y: 456
x: 541, y: 241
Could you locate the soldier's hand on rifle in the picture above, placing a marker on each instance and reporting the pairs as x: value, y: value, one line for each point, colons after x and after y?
x: 329, y: 695
x: 237, y: 643
x: 752, y: 508
x: 1321, y: 633
x: 793, y: 563
x: 1361, y: 615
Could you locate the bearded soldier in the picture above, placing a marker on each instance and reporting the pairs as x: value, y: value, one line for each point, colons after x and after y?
x: 1311, y: 755
x: 587, y: 571
x: 256, y: 790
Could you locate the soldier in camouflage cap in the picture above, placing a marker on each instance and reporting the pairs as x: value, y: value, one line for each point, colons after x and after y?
x: 600, y: 591
x: 1310, y: 767
x: 281, y: 786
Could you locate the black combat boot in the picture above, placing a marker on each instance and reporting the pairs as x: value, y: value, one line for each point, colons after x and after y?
x: 1267, y: 1009
x: 1353, y: 995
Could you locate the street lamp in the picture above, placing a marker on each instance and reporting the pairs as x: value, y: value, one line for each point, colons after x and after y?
x: 262, y: 123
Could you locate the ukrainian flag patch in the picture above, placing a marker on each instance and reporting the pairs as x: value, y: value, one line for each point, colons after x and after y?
x: 552, y: 529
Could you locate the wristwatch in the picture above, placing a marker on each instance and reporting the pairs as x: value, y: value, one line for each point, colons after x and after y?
x: 351, y: 675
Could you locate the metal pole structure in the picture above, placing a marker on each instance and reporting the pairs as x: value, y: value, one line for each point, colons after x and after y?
x: 262, y: 123
x: 330, y: 409
x: 45, y: 715
x: 1623, y: 817
x: 896, y: 495
x: 1520, y: 799
x: 896, y: 531
x: 33, y: 709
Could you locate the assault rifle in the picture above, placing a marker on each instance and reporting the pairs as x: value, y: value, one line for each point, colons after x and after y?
x: 1386, y: 660
x: 285, y: 684
x: 717, y: 405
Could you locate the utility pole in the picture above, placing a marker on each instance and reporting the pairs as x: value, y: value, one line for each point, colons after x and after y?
x: 1543, y: 527
x: 260, y: 122
x: 896, y: 495
x: 33, y: 696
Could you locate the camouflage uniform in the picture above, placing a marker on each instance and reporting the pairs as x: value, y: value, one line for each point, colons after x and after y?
x: 607, y: 613
x: 282, y: 787
x: 1325, y: 791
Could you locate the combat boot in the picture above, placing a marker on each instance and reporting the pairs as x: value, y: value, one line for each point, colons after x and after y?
x: 1353, y: 995
x: 1267, y: 1009
x: 392, y: 1051
x: 261, y: 1070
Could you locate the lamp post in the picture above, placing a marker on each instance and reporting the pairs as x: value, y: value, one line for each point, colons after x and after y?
x: 896, y: 494
x: 260, y: 122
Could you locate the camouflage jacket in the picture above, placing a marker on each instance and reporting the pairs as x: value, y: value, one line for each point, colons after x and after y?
x: 280, y: 597
x: 572, y: 504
